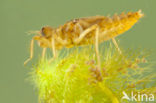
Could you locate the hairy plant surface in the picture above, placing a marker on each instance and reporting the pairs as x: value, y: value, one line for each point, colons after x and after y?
x: 75, y: 77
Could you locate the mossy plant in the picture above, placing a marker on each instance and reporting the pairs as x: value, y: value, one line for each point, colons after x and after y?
x: 75, y: 77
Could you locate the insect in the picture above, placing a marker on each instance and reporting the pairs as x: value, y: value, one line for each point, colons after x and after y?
x: 84, y: 31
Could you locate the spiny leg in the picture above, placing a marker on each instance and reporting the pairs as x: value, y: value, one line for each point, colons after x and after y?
x: 84, y: 33
x: 53, y: 51
x: 31, y: 52
x: 43, y: 53
x: 116, y: 45
x: 97, y: 48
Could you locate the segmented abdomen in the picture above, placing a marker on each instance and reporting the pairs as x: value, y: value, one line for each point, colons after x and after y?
x: 118, y: 24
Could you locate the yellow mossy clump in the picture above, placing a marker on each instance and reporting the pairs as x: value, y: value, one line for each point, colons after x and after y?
x: 75, y: 77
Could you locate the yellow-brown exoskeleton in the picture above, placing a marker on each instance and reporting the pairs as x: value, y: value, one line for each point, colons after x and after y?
x: 84, y: 31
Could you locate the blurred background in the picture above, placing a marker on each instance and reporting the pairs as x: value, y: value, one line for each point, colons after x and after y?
x: 20, y: 16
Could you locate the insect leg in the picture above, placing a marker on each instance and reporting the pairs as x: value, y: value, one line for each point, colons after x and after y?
x: 78, y: 26
x: 60, y: 40
x: 84, y: 33
x: 97, y: 47
x: 43, y: 53
x: 116, y: 45
x: 53, y: 50
x: 31, y: 52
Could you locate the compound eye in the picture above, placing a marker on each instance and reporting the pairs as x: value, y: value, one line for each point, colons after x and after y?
x: 46, y: 31
x: 42, y: 31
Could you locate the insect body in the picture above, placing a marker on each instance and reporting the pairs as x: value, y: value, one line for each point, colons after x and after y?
x: 85, y: 31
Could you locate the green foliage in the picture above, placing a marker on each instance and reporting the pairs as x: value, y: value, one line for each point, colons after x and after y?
x: 75, y: 78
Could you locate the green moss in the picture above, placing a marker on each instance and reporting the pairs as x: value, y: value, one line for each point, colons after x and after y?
x: 75, y: 78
